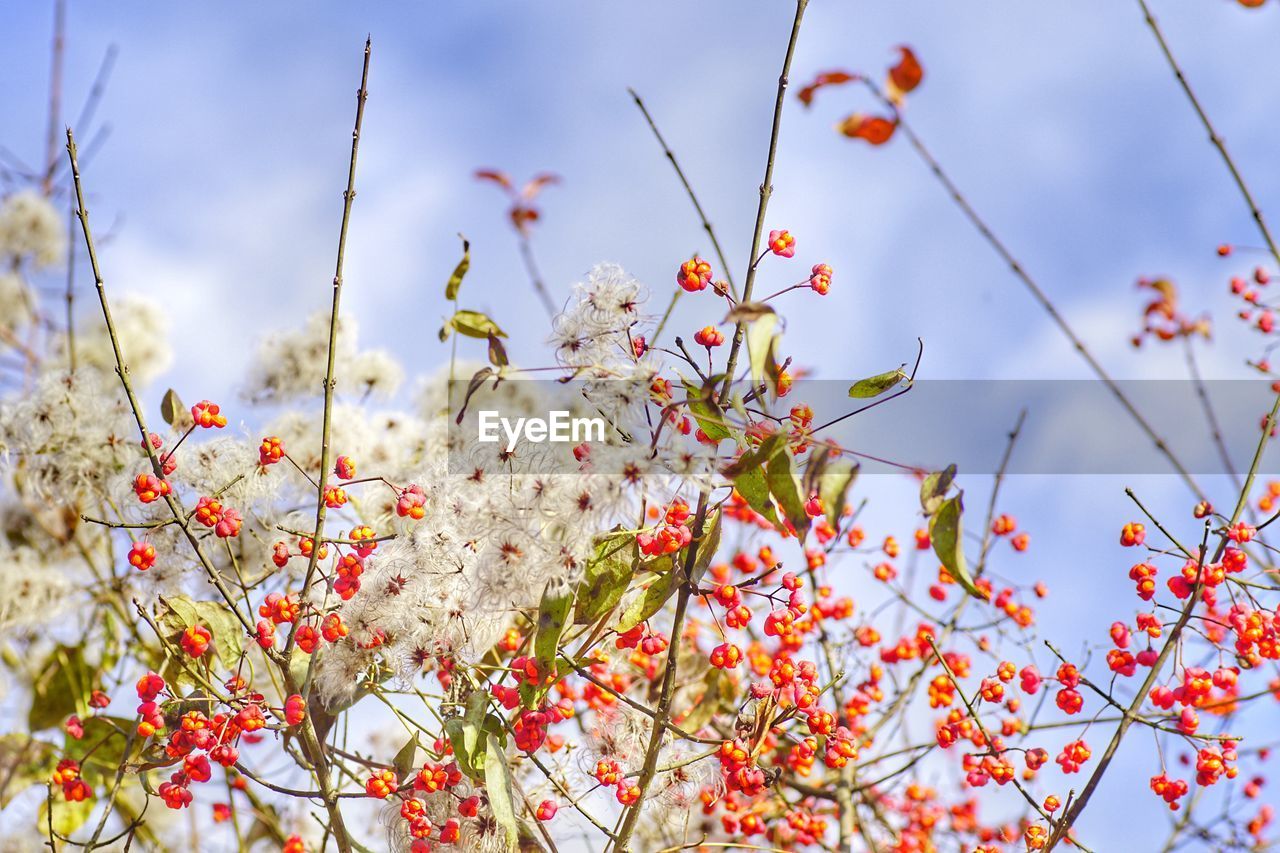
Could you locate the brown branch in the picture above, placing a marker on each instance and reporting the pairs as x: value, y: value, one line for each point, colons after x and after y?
x: 688, y: 189
x: 1036, y: 291
x: 1214, y: 137
x: 632, y: 814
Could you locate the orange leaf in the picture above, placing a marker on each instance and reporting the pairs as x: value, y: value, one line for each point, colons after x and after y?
x: 539, y: 181
x: 873, y: 129
x: 499, y: 178
x: 907, y: 74
x: 825, y: 78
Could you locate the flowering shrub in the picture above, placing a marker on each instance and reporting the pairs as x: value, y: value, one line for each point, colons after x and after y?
x: 322, y: 624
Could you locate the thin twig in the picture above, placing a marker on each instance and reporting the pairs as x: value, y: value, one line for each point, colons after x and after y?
x: 311, y: 744
x: 632, y: 814
x: 55, y: 95
x: 535, y: 275
x: 122, y: 370
x: 1072, y: 814
x: 688, y: 188
x: 1214, y: 136
x: 1036, y: 291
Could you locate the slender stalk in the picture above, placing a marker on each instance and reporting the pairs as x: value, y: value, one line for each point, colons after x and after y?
x: 330, y: 382
x: 622, y: 843
x: 688, y: 188
x: 766, y: 191
x: 122, y: 370
x: 70, y: 297
x: 55, y: 95
x: 312, y: 747
x: 1211, y: 416
x: 662, y: 713
x: 1214, y: 136
x: 535, y: 275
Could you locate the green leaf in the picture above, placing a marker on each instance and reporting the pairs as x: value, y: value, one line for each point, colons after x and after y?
x: 497, y: 781
x: 607, y: 576
x: 655, y: 595
x: 464, y: 734
x: 876, y: 385
x: 24, y: 761
x: 61, y: 688
x: 671, y: 568
x: 406, y: 758
x: 833, y: 487
x: 706, y: 411
x: 945, y: 531
x: 228, y: 634
x: 557, y: 601
x: 754, y: 488
x: 935, y: 488
x: 748, y: 476
x: 459, y: 272
x: 780, y: 471
x: 473, y: 324
x: 172, y: 412
x: 67, y: 816
x: 761, y: 339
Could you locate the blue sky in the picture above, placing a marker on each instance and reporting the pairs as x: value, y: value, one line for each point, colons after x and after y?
x: 231, y: 130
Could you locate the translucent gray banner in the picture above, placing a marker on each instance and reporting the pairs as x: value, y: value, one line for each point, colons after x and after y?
x: 1070, y: 426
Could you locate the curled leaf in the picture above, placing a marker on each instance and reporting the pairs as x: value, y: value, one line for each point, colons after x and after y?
x: 497, y: 352
x: 906, y: 75
x: 537, y: 182
x: 747, y: 312
x: 497, y: 782
x: 455, y: 280
x: 474, y: 324
x: 934, y: 489
x: 874, y: 386
x: 472, y: 387
x: 822, y: 80
x: 948, y: 543
x: 872, y: 129
x: 173, y: 412
x: 497, y: 177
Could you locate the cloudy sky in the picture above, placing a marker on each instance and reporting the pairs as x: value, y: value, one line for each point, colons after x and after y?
x: 230, y: 131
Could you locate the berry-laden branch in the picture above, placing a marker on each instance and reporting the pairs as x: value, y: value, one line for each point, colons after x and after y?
x: 632, y: 813
x: 1131, y: 713
x: 312, y: 747
x: 766, y: 191
x: 122, y: 370
x: 330, y: 380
